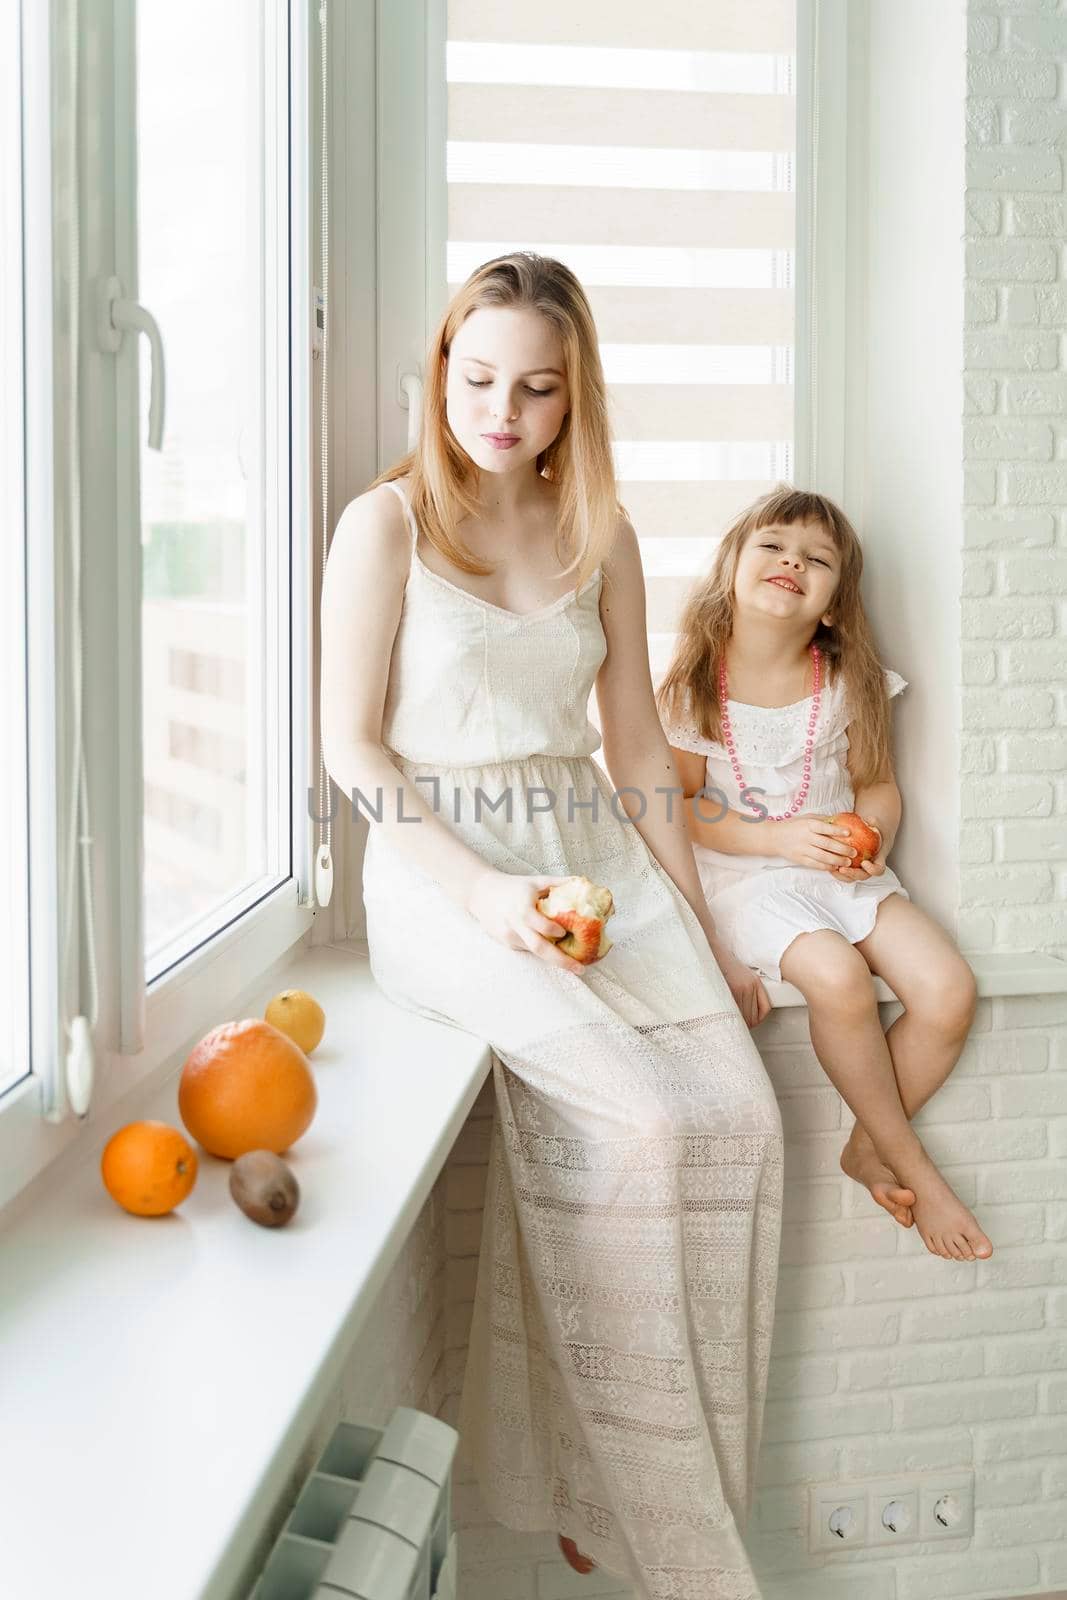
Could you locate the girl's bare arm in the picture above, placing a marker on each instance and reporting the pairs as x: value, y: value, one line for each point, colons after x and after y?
x: 709, y: 821
x: 881, y: 804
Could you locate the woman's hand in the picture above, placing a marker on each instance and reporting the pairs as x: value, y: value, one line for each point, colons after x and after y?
x: 744, y: 983
x: 865, y: 869
x: 810, y: 841
x: 746, y: 986
x: 503, y: 902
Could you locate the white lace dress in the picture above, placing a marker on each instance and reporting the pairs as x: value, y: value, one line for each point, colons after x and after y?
x: 761, y: 903
x: 622, y: 1324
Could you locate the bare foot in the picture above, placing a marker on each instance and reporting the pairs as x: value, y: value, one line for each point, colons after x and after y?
x: 574, y: 1556
x: 946, y: 1226
x: 861, y: 1161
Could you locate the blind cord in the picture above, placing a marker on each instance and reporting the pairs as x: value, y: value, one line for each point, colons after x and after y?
x: 78, y: 1074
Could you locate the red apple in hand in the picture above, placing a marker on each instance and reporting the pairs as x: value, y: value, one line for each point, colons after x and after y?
x: 582, y: 908
x: 865, y: 840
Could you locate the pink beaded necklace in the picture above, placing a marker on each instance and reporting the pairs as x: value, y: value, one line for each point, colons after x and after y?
x: 728, y: 737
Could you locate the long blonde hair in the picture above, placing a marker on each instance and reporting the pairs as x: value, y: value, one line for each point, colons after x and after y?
x: 441, y: 473
x: 689, y: 689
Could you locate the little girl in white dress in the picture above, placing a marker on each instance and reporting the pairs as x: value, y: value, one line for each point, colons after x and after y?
x: 761, y: 902
x: 777, y: 711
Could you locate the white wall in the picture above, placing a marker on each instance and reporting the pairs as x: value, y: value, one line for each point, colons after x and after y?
x: 905, y: 443
x: 1014, y: 838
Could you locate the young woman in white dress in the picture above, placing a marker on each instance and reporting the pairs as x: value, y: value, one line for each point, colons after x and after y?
x: 776, y: 703
x: 473, y: 598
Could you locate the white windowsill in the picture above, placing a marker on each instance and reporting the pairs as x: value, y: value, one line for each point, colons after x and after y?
x: 164, y: 1373
x: 1030, y: 972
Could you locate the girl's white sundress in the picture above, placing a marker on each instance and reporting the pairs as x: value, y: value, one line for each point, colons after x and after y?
x: 618, y: 1358
x: 761, y: 903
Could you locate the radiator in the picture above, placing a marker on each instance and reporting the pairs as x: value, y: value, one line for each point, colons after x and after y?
x: 373, y: 1518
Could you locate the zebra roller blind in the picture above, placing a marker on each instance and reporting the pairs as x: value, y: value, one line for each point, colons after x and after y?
x: 651, y: 148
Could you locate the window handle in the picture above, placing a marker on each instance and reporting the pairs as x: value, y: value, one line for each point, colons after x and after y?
x: 116, y: 316
x: 409, y: 394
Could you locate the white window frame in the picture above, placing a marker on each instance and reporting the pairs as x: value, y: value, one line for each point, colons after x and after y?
x: 826, y: 278
x: 388, y: 283
x: 17, y: 395
x: 142, y: 1031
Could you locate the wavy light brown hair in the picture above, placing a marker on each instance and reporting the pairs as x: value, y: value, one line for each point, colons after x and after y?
x: 689, y: 690
x: 441, y: 473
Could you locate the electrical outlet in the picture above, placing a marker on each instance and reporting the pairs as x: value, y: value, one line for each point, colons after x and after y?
x: 838, y: 1520
x: 891, y: 1511
x: 946, y: 1505
x: 893, y: 1514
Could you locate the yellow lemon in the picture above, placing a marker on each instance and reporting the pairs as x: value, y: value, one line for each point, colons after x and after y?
x: 296, y: 1014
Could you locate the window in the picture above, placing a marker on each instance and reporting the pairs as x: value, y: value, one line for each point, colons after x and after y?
x: 14, y: 819
x: 657, y: 159
x: 154, y: 475
x: 212, y: 265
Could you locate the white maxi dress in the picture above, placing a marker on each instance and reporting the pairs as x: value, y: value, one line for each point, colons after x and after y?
x: 622, y: 1324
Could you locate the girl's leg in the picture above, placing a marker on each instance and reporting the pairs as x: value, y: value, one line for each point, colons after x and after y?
x: 832, y: 952
x: 848, y: 1039
x: 935, y: 985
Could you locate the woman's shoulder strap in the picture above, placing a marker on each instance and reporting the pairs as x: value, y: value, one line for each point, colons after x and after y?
x: 400, y: 491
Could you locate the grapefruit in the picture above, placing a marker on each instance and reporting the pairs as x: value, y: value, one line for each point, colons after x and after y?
x: 246, y: 1086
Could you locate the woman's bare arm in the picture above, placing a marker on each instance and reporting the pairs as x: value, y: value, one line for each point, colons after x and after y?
x: 636, y: 751
x: 362, y: 599
x: 638, y: 757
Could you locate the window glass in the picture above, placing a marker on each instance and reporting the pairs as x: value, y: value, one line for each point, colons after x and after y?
x: 201, y: 222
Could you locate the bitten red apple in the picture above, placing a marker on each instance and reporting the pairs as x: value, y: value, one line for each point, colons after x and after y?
x: 582, y: 908
x: 865, y: 840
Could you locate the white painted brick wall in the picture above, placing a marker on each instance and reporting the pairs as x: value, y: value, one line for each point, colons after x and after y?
x: 1014, y: 602
x: 885, y: 1358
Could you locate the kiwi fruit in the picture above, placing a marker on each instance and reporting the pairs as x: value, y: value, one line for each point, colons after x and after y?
x: 264, y: 1188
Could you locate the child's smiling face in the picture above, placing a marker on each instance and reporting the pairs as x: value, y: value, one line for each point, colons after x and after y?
x: 788, y: 570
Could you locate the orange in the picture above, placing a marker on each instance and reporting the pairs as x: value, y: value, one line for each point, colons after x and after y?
x: 148, y: 1167
x: 299, y: 1016
x: 244, y: 1087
